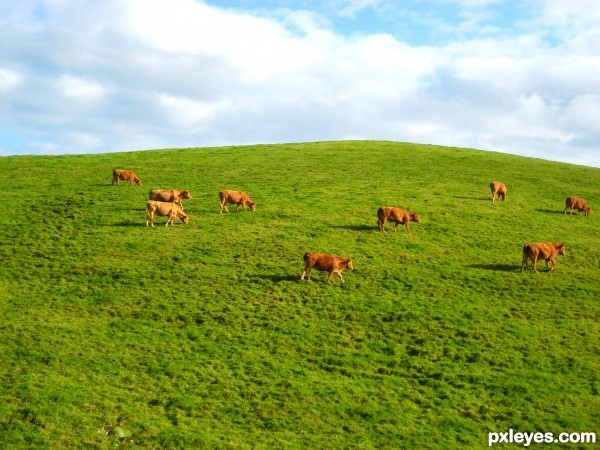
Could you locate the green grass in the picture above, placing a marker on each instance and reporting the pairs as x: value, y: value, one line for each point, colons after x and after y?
x: 202, y: 336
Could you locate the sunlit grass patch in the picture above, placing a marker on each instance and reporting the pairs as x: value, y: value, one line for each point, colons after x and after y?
x: 203, y: 336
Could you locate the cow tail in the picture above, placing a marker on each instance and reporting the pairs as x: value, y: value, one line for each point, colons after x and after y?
x: 380, y: 215
x: 305, y: 257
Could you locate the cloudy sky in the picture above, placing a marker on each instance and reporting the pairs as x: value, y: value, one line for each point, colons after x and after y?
x: 89, y: 76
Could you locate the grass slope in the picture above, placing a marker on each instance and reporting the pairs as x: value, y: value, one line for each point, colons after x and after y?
x: 202, y: 336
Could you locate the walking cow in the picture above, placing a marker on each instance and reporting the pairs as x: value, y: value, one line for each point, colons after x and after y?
x: 325, y: 263
x: 171, y: 210
x: 542, y: 250
x: 125, y: 175
x: 498, y: 190
x: 577, y: 203
x: 236, y: 197
x: 169, y: 195
x: 397, y: 215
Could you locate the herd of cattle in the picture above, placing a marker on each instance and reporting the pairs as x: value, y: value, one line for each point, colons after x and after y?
x: 167, y: 203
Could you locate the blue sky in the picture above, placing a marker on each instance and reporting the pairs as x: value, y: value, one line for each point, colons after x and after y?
x: 88, y: 76
x: 418, y: 22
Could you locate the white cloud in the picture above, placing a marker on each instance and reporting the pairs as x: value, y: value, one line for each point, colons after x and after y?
x: 185, y: 113
x: 85, y: 141
x: 352, y: 7
x: 257, y: 48
x: 80, y: 89
x: 582, y: 114
x: 9, y: 79
x: 132, y: 74
x: 470, y: 3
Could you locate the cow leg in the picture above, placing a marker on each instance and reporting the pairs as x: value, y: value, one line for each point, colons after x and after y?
x: 395, y: 226
x: 340, y: 275
x: 534, y: 264
x: 150, y: 218
x: 170, y: 219
x: 381, y: 225
x: 307, y: 273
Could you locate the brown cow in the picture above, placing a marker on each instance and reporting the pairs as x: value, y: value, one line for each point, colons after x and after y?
x: 398, y: 215
x: 125, y: 175
x: 171, y: 210
x: 169, y: 195
x: 240, y: 198
x: 498, y: 189
x: 325, y: 263
x: 576, y: 203
x: 544, y: 250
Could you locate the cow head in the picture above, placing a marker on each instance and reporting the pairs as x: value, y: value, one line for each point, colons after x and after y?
x: 186, y: 195
x: 184, y: 217
x: 349, y: 264
x: 415, y: 217
x: 561, y: 249
x: 138, y: 181
x: 252, y: 206
x: 587, y: 211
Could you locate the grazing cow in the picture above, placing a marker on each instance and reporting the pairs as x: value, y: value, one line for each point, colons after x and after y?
x: 171, y: 210
x: 576, y: 203
x: 498, y: 190
x: 325, y: 263
x: 544, y: 250
x: 237, y: 197
x: 125, y: 175
x: 169, y: 195
x: 400, y: 216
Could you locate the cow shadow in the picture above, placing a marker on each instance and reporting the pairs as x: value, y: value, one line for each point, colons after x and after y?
x: 496, y: 267
x: 488, y: 199
x: 550, y: 211
x: 129, y: 224
x: 362, y: 227
x: 276, y: 278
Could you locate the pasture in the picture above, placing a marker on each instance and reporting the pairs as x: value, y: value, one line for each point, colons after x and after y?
x: 114, y: 334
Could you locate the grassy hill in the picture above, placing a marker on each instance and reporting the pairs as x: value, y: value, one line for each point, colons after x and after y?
x: 202, y: 335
